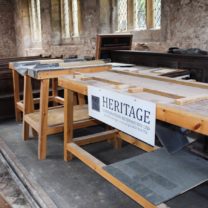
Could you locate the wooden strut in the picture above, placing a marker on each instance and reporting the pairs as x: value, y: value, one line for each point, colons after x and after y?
x: 165, y: 79
x: 15, y: 76
x: 43, y: 125
x: 28, y: 106
x: 98, y: 167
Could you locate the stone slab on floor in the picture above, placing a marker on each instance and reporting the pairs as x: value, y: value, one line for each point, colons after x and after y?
x: 160, y: 176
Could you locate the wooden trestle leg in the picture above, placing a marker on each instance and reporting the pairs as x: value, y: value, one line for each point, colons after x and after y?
x: 68, y: 122
x: 43, y: 128
x: 18, y: 113
x: 28, y: 104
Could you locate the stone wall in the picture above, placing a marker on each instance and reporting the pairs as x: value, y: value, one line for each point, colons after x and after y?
x: 187, y: 24
x: 184, y: 24
x: 7, y: 30
x: 82, y: 45
x: 22, y: 27
x: 52, y: 42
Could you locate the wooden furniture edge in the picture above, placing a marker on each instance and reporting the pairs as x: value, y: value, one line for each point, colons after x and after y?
x: 98, y: 167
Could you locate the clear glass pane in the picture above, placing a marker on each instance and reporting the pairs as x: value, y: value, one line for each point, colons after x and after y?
x: 35, y: 20
x: 157, y: 13
x: 75, y: 17
x: 122, y: 15
x: 140, y: 14
x: 66, y: 19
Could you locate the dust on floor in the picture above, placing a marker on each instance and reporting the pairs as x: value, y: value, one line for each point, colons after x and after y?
x: 9, y: 191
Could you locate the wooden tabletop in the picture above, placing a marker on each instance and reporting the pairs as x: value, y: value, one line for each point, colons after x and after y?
x: 41, y: 69
x: 178, y: 102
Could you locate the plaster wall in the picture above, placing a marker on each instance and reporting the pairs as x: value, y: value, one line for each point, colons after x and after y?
x: 184, y: 24
x: 7, y: 29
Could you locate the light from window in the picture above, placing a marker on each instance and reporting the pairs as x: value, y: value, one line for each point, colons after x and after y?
x: 66, y: 25
x: 140, y: 14
x: 122, y: 15
x: 70, y: 18
x: 35, y: 20
x: 157, y: 13
x: 75, y: 18
x: 66, y: 19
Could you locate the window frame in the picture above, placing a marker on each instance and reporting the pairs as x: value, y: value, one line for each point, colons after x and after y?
x: 71, y: 35
x: 130, y: 17
x: 35, y: 21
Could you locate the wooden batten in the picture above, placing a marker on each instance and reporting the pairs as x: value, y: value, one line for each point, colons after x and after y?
x: 136, y: 142
x: 98, y: 137
x: 189, y: 100
x: 135, y: 89
x: 98, y: 166
x: 72, y: 70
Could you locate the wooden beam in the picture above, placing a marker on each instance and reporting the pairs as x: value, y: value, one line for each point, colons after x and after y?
x: 28, y: 104
x: 74, y: 85
x: 98, y: 166
x: 98, y: 137
x: 58, y: 99
x: 43, y: 125
x: 15, y: 76
x: 54, y: 89
x: 135, y: 142
x: 68, y: 121
x: 149, y: 14
x: 192, y: 99
x: 81, y: 99
x: 83, y: 69
x: 188, y: 120
x: 85, y: 123
x: 165, y: 79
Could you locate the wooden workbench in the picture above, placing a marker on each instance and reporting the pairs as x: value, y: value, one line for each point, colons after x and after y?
x: 20, y: 69
x: 182, y: 103
x: 50, y: 121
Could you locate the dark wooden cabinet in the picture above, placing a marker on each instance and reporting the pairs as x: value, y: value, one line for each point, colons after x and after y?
x: 106, y: 43
x: 197, y: 64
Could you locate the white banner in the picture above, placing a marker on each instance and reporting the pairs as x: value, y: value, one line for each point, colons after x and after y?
x: 133, y: 116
